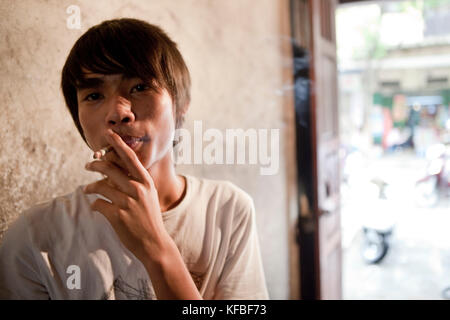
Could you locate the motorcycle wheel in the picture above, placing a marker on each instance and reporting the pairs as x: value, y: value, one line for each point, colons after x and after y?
x: 446, y: 293
x: 375, y: 247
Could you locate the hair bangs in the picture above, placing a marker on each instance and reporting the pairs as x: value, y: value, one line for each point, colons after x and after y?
x: 102, y: 54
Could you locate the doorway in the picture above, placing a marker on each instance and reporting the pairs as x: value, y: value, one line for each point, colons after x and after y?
x: 394, y: 128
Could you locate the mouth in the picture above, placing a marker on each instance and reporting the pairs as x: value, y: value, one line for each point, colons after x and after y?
x: 135, y: 142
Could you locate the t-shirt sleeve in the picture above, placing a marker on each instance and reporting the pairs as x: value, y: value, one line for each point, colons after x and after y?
x: 19, y: 273
x: 242, y: 277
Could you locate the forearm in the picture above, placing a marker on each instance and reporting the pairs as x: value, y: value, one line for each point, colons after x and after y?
x: 169, y: 275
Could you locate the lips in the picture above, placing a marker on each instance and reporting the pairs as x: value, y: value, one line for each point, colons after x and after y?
x: 132, y: 142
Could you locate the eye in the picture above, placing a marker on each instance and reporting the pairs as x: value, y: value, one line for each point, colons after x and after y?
x: 92, y: 96
x: 140, y: 87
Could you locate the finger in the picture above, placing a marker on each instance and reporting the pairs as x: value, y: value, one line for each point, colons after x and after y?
x: 108, y: 153
x: 114, y: 158
x: 116, y: 176
x: 102, y: 152
x: 108, y: 210
x: 103, y: 188
x: 128, y: 156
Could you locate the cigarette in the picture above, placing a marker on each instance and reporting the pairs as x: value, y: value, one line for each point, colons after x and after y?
x: 102, y: 152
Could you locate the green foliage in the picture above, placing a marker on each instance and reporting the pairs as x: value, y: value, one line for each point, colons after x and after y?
x: 407, y: 5
x: 373, y: 48
x: 435, y: 4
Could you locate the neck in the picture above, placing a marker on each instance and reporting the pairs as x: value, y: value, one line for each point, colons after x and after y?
x: 170, y: 186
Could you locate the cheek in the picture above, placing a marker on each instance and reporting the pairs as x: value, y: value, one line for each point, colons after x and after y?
x: 163, y: 122
x: 169, y: 122
x: 88, y: 124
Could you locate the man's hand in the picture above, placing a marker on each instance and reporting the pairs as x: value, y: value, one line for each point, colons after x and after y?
x: 135, y: 215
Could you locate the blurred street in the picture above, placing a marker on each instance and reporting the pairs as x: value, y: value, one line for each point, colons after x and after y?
x: 394, y: 109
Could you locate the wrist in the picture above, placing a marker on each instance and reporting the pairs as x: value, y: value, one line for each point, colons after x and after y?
x: 168, y: 272
x: 158, y: 250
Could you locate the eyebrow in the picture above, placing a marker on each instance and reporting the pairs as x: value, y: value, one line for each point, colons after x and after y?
x: 95, y: 82
x: 88, y: 83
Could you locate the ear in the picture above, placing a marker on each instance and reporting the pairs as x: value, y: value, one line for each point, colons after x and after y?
x: 180, y: 116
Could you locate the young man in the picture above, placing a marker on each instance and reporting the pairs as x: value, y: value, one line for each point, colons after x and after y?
x: 142, y: 232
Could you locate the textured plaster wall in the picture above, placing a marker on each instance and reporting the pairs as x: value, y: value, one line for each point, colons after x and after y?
x: 239, y: 56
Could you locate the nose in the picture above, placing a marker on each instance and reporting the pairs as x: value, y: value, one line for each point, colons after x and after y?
x: 119, y: 112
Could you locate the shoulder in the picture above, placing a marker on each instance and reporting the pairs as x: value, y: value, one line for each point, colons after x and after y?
x: 223, y: 196
x: 36, y: 246
x: 60, y: 208
x: 54, y: 220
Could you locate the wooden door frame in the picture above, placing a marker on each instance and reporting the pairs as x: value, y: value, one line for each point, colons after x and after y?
x: 311, y: 211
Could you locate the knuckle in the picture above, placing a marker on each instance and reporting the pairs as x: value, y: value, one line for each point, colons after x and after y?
x: 128, y: 202
x: 133, y: 188
x: 140, y: 191
x: 148, y: 183
x: 121, y: 215
x: 148, y: 178
x: 146, y: 186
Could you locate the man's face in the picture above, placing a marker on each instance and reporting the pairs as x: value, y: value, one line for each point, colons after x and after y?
x: 142, y: 116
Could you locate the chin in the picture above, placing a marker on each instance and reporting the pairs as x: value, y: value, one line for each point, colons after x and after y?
x: 148, y: 160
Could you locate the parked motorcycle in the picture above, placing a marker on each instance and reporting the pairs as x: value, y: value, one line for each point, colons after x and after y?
x: 370, y: 194
x: 378, y: 225
x: 435, y: 183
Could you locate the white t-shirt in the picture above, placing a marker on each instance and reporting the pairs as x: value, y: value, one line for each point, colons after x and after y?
x: 61, y: 249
